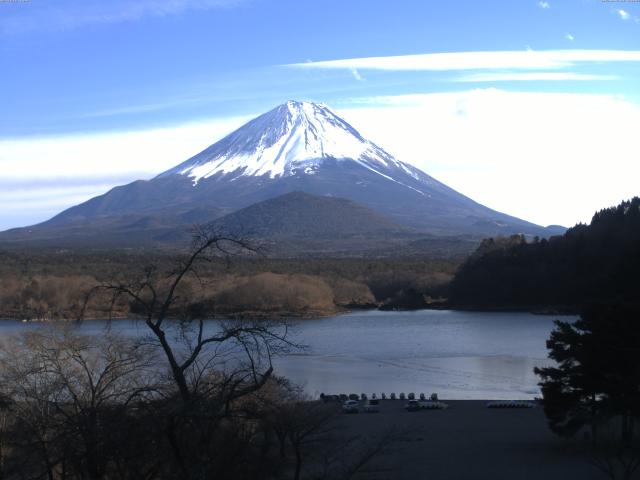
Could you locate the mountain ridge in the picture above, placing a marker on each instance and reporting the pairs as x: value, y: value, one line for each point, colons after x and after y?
x: 295, y: 135
x: 295, y: 147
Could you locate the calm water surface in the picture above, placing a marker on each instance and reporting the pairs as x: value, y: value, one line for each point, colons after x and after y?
x: 459, y: 355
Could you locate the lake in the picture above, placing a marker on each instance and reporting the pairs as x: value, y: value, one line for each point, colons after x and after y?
x: 459, y: 355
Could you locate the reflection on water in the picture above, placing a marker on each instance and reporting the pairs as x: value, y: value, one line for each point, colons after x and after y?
x: 459, y: 355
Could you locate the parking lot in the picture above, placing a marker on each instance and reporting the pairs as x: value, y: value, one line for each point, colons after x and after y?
x: 468, y: 441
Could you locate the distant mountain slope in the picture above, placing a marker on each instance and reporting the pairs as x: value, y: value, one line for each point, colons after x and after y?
x: 299, y: 223
x: 589, y: 263
x: 299, y: 214
x: 125, y: 231
x: 296, y: 147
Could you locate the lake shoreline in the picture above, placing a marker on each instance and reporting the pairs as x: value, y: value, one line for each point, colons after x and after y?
x: 314, y: 315
x: 533, y: 309
x: 459, y: 354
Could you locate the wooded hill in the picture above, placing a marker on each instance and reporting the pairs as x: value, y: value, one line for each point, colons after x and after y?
x: 599, y: 262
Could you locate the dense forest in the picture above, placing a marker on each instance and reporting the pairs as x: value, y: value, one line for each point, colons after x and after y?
x: 591, y: 263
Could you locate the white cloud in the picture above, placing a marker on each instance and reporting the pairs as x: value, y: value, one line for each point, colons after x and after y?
x: 624, y: 15
x: 356, y: 74
x: 526, y: 60
x: 569, y: 37
x: 144, y: 152
x: 544, y: 5
x: 545, y: 157
x: 55, y: 197
x: 532, y: 76
x: 69, y: 16
x: 43, y: 175
x: 27, y: 204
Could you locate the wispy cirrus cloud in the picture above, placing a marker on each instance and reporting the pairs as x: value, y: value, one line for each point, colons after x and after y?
x: 175, y: 101
x: 569, y: 37
x: 43, y: 175
x: 107, y: 155
x: 544, y: 5
x: 508, y: 59
x: 532, y: 77
x: 65, y: 15
x: 494, y: 144
x: 356, y: 74
x: 624, y: 15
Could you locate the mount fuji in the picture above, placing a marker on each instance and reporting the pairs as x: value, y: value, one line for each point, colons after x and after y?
x: 296, y: 147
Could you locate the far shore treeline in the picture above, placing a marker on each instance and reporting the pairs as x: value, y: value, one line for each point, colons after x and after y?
x: 595, y: 263
x: 53, y: 284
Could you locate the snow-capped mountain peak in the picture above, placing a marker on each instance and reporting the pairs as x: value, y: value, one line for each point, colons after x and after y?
x: 296, y: 147
x: 293, y: 138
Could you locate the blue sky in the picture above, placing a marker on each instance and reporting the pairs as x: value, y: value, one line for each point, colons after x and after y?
x: 98, y: 93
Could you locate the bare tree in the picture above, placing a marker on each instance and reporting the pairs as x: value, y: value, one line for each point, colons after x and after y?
x: 348, y: 457
x: 313, y: 443
x: 5, y: 404
x: 157, y: 297
x: 67, y: 394
x: 192, y: 400
x: 615, y: 459
x: 300, y: 425
x: 213, y: 366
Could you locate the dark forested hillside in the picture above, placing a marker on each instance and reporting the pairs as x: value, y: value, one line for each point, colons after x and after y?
x: 589, y: 263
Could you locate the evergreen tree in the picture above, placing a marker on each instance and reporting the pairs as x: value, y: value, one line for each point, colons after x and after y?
x: 597, y: 377
x: 596, y: 262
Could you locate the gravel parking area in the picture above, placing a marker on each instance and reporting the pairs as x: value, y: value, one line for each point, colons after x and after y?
x: 469, y: 441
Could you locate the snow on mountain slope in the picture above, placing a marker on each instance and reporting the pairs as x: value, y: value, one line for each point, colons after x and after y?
x: 291, y: 139
x: 296, y: 147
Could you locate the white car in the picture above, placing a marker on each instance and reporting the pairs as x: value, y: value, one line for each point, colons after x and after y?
x: 412, y: 406
x: 511, y: 404
x: 433, y: 405
x: 351, y: 406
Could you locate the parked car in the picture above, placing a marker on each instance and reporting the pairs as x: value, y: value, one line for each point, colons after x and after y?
x: 412, y: 406
x: 433, y: 405
x: 511, y: 404
x: 372, y: 406
x: 351, y: 406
